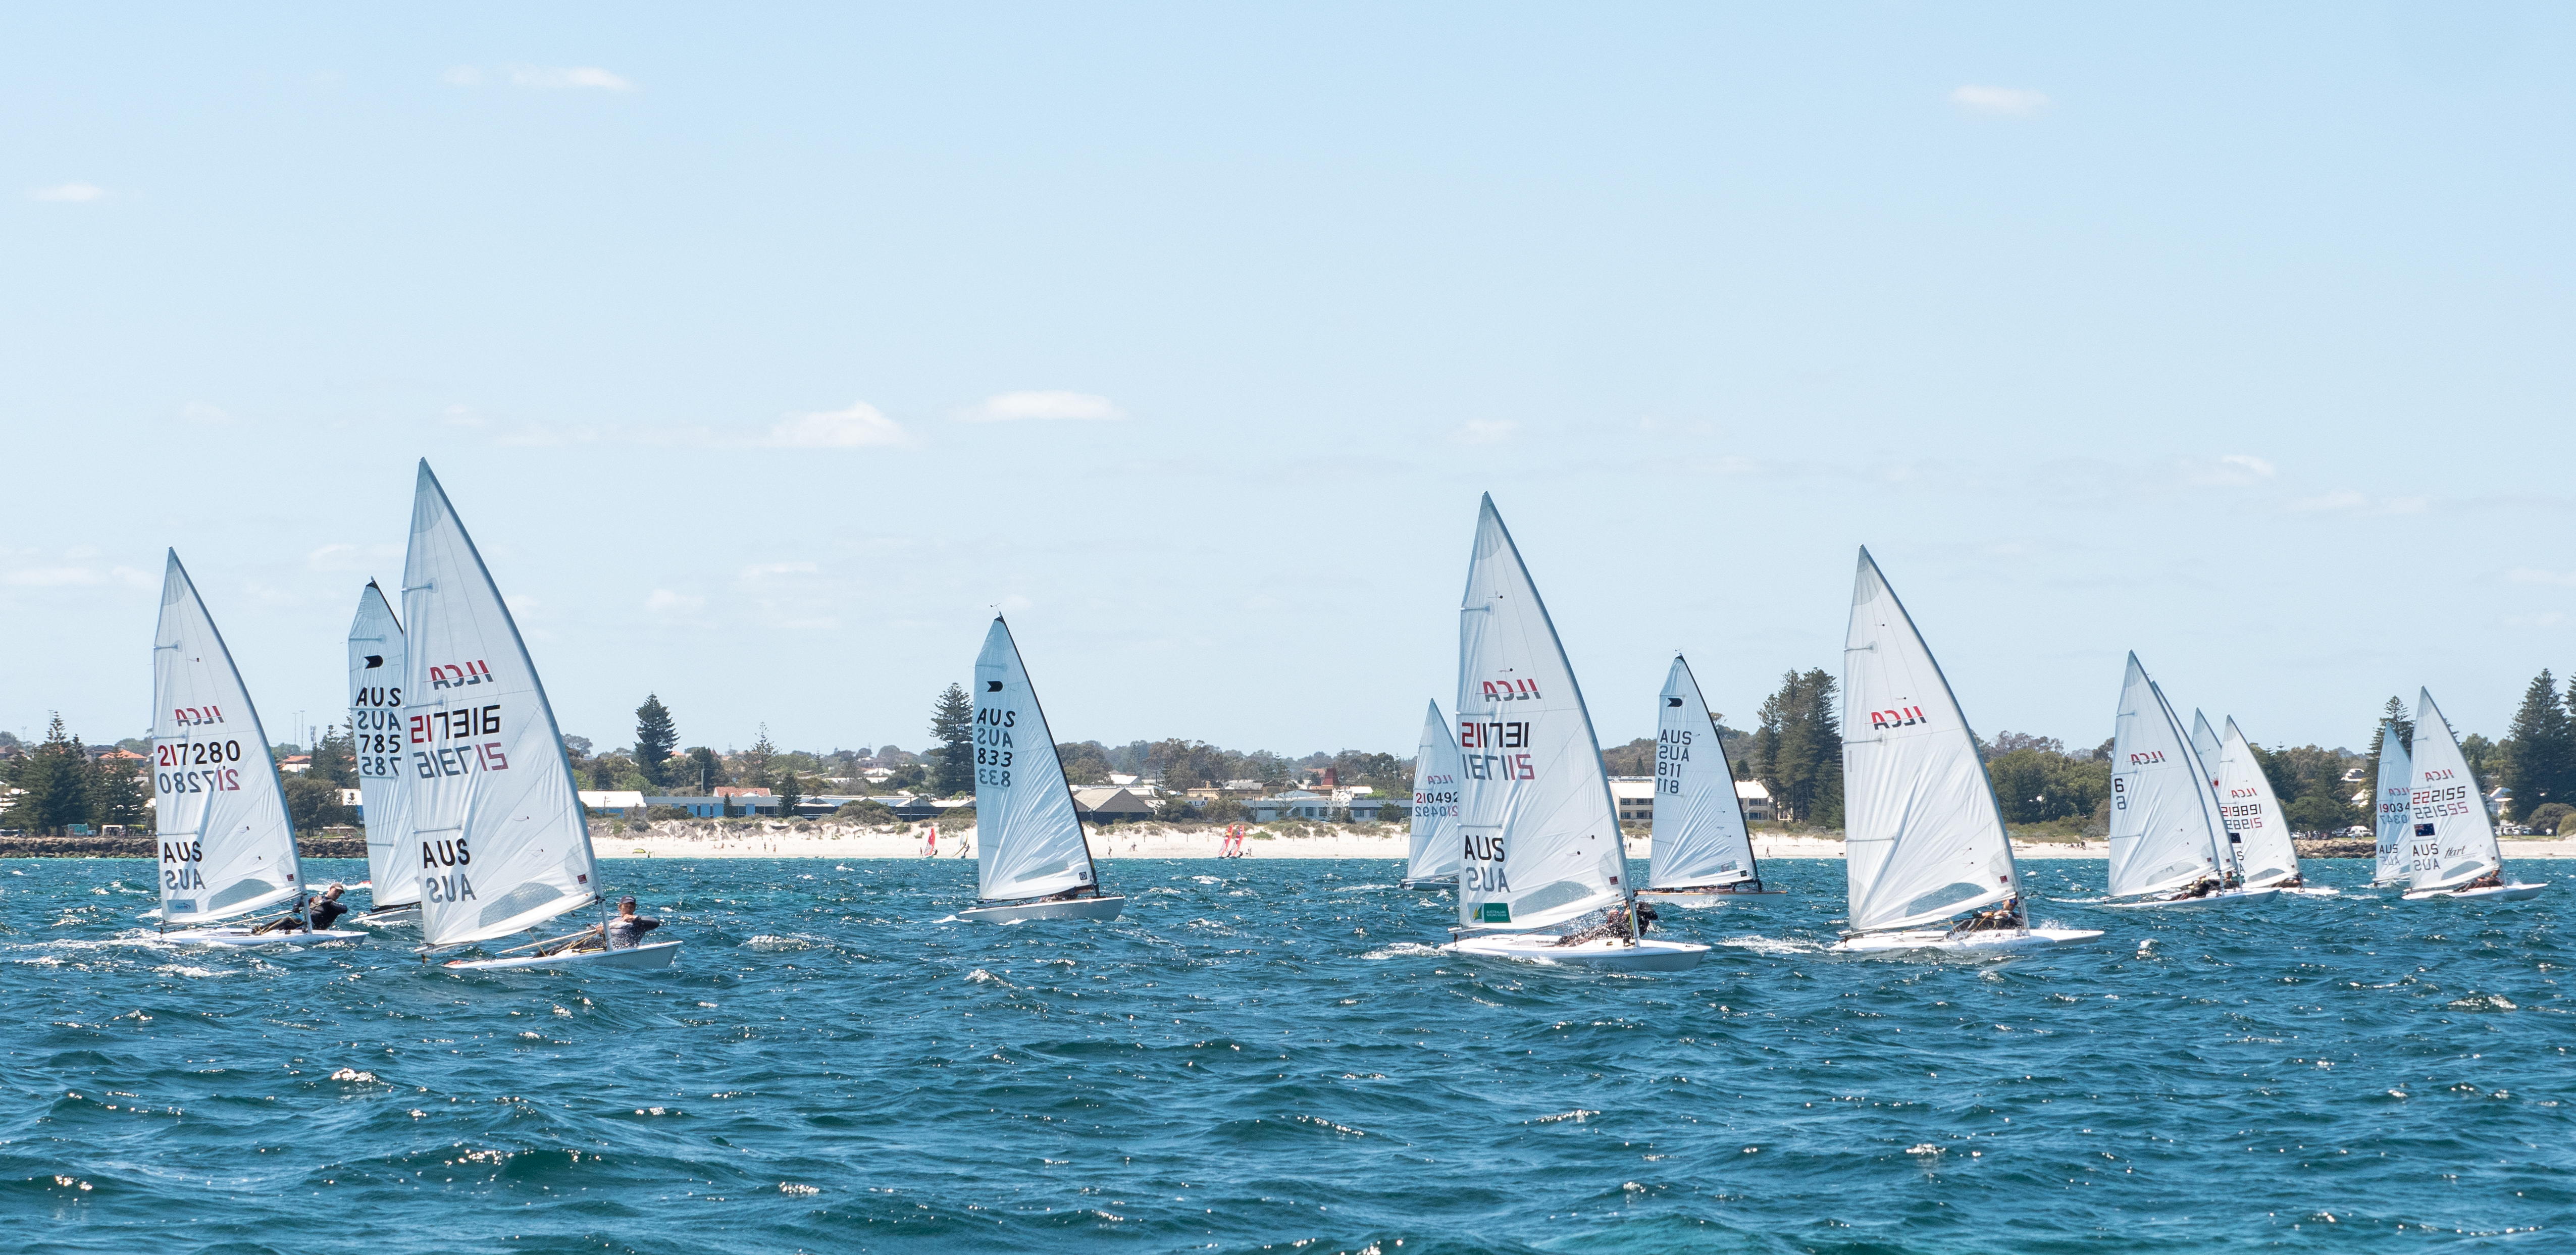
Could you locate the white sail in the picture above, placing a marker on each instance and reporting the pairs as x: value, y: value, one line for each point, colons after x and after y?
x: 2204, y: 742
x: 1536, y: 824
x: 1028, y: 841
x: 2454, y: 841
x: 1922, y: 836
x: 227, y: 846
x: 1435, y: 801
x: 1699, y: 825
x: 376, y: 739
x: 503, y: 844
x: 2165, y: 831
x: 2395, y: 812
x: 2256, y: 827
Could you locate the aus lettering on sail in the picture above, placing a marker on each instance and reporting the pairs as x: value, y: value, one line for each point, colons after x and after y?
x: 1901, y: 717
x: 376, y: 727
x: 1495, y: 735
x: 1672, y: 752
x: 179, y: 864
x: 994, y: 748
x: 442, y: 870
x: 1484, y: 870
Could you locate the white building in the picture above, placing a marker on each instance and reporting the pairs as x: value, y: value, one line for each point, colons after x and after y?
x: 1635, y: 796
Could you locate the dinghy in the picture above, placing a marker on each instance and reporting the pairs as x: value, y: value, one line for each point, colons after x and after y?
x: 1923, y: 839
x: 1435, y: 859
x: 1031, y: 860
x: 1701, y: 850
x: 376, y: 738
x: 2258, y: 833
x: 227, y: 844
x: 2394, y: 819
x: 2452, y: 854
x: 2167, y: 839
x: 1538, y: 831
x: 503, y: 844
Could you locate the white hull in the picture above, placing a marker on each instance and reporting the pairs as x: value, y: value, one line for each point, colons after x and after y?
x: 1607, y: 952
x: 1989, y: 940
x: 654, y: 955
x: 2494, y: 893
x: 2224, y: 897
x: 1069, y: 908
x: 2312, y: 891
x: 244, y: 937
x: 391, y: 916
x: 1718, y: 894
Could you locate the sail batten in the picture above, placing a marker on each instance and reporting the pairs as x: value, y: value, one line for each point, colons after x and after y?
x: 498, y: 840
x: 227, y: 845
x: 1435, y: 801
x: 1537, y: 828
x: 1028, y: 837
x: 1700, y: 839
x: 2165, y: 830
x: 2453, y: 841
x: 376, y: 740
x: 1923, y: 837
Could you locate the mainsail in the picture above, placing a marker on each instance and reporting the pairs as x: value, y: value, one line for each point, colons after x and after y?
x: 227, y: 846
x: 2204, y: 742
x: 2165, y: 830
x: 1922, y: 836
x: 376, y: 738
x: 2395, y: 817
x: 494, y: 811
x: 1029, y: 841
x: 1435, y: 802
x: 2256, y: 826
x: 2454, y: 842
x: 1536, y: 824
x: 1699, y: 824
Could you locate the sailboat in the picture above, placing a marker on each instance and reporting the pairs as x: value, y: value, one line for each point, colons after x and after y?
x: 1701, y: 849
x: 1031, y: 859
x: 227, y: 844
x: 1435, y: 859
x: 376, y: 739
x: 2453, y: 852
x: 2395, y: 818
x: 2166, y: 834
x: 2257, y: 829
x: 1923, y: 838
x: 1537, y: 829
x: 504, y: 845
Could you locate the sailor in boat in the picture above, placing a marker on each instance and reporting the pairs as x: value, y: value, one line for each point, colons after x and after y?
x: 314, y: 917
x: 2200, y: 888
x: 2492, y: 880
x: 2006, y: 917
x: 622, y: 933
x: 1615, y: 924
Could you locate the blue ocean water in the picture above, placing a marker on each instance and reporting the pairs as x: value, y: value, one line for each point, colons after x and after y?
x: 1269, y: 1055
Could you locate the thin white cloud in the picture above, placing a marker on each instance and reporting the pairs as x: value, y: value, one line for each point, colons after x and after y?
x: 69, y: 193
x: 2528, y: 575
x: 858, y: 427
x: 1005, y: 407
x: 2009, y: 101
x: 2251, y: 463
x: 1484, y: 431
x: 664, y: 601
x: 200, y: 412
x: 554, y: 78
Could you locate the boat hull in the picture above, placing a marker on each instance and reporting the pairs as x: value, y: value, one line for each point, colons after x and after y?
x: 2493, y: 893
x: 658, y: 954
x: 1436, y: 882
x: 1719, y: 894
x: 2224, y: 897
x: 1070, y: 908
x: 1998, y: 940
x: 1610, y: 953
x: 244, y: 937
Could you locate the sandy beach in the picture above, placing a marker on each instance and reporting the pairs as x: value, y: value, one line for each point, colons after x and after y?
x: 772, y: 839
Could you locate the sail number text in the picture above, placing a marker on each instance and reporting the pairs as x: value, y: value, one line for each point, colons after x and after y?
x: 196, y: 767
x: 993, y: 751
x: 1495, y: 735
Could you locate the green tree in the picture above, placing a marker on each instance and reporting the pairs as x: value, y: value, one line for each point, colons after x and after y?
x: 790, y: 792
x: 1084, y: 763
x: 2393, y: 713
x: 703, y: 773
x: 119, y: 793
x: 314, y: 804
x: 334, y: 758
x: 2541, y: 744
x: 752, y: 765
x: 952, y: 727
x: 654, y: 737
x: 1798, y: 749
x: 54, y: 782
x: 2309, y: 782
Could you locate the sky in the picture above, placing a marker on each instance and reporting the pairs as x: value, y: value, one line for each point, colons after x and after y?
x: 767, y: 352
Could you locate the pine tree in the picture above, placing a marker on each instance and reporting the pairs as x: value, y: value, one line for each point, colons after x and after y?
x: 654, y: 737
x: 2393, y: 713
x: 54, y: 783
x: 117, y: 795
x: 753, y: 763
x: 1797, y: 750
x: 790, y: 792
x: 2540, y: 748
x: 952, y: 727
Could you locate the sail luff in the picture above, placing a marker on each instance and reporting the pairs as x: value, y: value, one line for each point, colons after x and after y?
x: 2454, y: 841
x: 497, y: 817
x: 227, y: 843
x: 1699, y: 835
x: 376, y: 742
